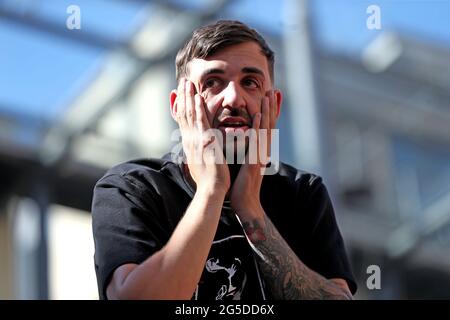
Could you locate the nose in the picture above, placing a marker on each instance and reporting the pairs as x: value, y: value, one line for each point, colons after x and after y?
x: 232, y: 96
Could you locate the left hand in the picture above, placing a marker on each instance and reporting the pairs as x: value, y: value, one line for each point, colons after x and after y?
x: 244, y: 194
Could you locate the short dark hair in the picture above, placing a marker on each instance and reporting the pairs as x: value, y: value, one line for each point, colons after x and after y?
x: 209, y: 39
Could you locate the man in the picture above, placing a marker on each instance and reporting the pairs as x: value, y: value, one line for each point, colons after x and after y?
x: 205, y: 228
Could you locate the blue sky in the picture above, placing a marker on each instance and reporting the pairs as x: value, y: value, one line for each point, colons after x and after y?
x: 40, y: 74
x: 341, y: 25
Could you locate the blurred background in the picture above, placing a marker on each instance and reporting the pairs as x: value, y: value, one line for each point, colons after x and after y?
x: 367, y: 106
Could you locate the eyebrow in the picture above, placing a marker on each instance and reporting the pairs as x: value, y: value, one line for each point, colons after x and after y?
x: 253, y: 70
x: 207, y: 72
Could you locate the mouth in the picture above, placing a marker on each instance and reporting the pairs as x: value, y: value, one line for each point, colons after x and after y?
x: 232, y: 124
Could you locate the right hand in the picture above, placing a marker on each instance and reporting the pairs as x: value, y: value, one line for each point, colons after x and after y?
x: 208, y: 168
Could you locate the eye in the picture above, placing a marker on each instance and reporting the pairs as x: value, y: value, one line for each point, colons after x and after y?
x: 250, y: 83
x: 211, y: 83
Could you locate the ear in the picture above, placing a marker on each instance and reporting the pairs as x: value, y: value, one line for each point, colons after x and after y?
x: 173, y: 103
x: 278, y: 101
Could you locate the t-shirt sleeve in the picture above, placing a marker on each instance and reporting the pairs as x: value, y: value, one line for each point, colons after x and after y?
x: 328, y: 253
x: 125, y: 225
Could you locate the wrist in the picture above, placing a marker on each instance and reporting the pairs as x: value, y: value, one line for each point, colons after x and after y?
x: 248, y: 210
x: 210, y: 192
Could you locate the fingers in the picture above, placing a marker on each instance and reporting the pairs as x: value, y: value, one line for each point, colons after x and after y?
x: 201, y: 120
x: 267, y: 123
x: 273, y: 109
x: 265, y: 113
x: 190, y: 104
x: 186, y: 104
x: 252, y: 156
x: 256, y: 123
x: 181, y: 104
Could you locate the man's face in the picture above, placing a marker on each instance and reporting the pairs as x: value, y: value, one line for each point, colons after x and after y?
x: 233, y: 82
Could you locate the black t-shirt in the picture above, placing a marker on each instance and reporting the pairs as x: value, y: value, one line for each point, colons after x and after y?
x: 137, y: 205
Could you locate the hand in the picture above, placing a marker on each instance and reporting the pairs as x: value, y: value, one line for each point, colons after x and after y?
x: 204, y: 154
x: 244, y: 194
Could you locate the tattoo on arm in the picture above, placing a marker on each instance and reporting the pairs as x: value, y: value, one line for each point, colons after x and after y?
x: 286, y: 276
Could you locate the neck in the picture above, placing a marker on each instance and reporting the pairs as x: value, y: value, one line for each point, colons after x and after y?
x: 234, y: 171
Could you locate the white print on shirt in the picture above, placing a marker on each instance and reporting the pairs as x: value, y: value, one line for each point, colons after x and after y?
x: 213, y: 266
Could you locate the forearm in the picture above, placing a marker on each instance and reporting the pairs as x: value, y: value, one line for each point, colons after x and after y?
x: 174, y: 271
x: 285, y: 274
